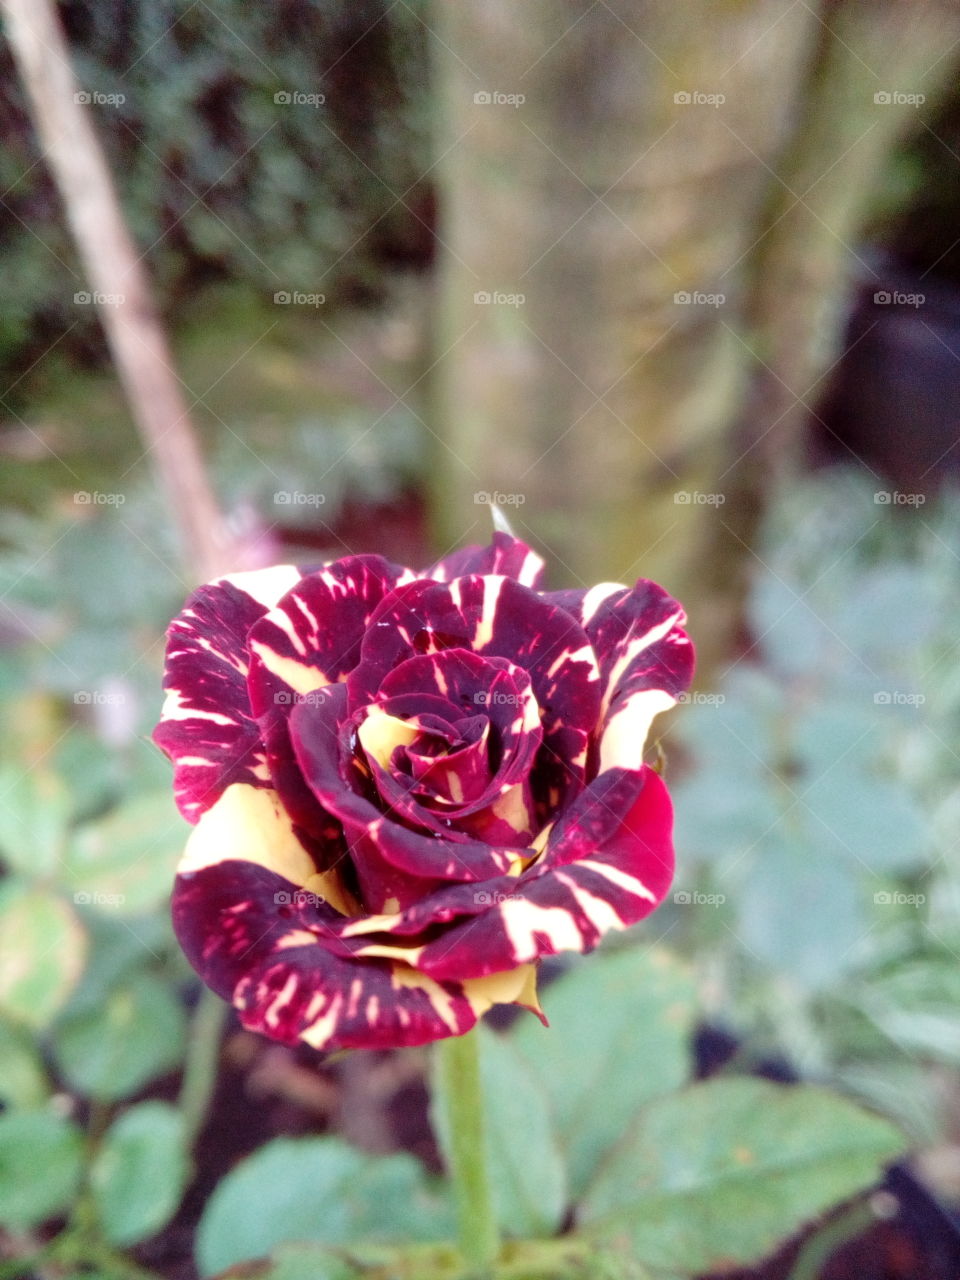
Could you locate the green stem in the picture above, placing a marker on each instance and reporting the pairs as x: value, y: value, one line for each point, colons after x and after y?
x: 819, y: 1247
x: 461, y: 1099
x: 203, y: 1057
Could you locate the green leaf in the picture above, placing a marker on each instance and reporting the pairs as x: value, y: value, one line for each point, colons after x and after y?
x: 112, y: 1050
x: 316, y: 1189
x: 619, y: 1035
x: 23, y: 1081
x: 41, y: 1158
x: 529, y: 1180
x: 42, y: 950
x: 33, y: 820
x: 801, y: 910
x: 718, y: 1174
x: 140, y: 1172
x: 126, y: 861
x: 874, y: 823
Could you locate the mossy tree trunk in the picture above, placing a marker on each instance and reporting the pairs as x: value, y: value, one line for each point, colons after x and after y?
x: 598, y: 164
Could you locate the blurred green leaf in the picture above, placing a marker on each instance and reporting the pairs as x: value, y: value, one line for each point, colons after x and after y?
x: 801, y: 909
x: 720, y: 1173
x: 127, y: 860
x: 875, y: 823
x: 619, y: 1034
x: 34, y: 813
x: 23, y: 1081
x: 42, y: 950
x: 111, y: 1050
x: 140, y: 1171
x: 529, y: 1182
x: 316, y: 1189
x: 41, y: 1158
x: 304, y: 1262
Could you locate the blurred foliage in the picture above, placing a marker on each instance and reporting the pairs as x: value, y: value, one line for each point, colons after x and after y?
x: 816, y: 825
x: 218, y: 178
x: 818, y: 904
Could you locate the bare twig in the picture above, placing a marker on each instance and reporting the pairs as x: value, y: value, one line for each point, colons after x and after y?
x: 114, y: 269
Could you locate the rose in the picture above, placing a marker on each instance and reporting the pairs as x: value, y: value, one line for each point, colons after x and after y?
x: 407, y: 788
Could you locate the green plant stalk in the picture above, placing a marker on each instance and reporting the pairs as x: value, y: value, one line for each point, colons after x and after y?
x: 461, y: 1097
x: 839, y: 1230
x: 203, y: 1057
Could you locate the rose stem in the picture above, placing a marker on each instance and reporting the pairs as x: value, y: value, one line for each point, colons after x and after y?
x: 203, y: 1058
x: 460, y: 1096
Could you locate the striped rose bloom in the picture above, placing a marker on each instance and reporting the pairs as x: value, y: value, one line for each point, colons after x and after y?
x: 408, y: 788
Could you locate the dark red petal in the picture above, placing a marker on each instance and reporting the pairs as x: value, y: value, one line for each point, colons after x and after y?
x: 256, y: 932
x: 495, y: 616
x: 309, y: 640
x: 394, y: 865
x: 505, y: 556
x: 565, y: 906
x: 645, y: 659
x: 206, y: 725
